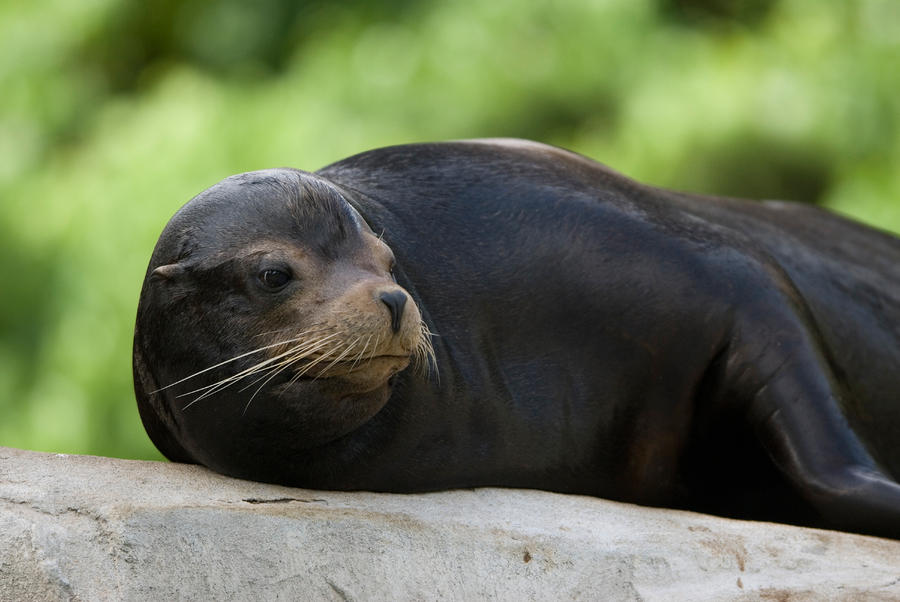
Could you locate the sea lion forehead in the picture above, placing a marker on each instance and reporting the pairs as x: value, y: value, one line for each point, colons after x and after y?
x: 307, y: 197
x: 282, y: 203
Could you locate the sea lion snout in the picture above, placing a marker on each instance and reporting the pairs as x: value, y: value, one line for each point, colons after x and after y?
x: 395, y: 300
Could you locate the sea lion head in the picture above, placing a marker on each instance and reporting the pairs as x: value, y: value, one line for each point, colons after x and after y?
x: 270, y: 322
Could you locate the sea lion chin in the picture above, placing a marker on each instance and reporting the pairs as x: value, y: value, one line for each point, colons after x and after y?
x: 592, y: 335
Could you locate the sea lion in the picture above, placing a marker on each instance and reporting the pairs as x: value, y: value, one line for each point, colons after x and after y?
x: 505, y: 313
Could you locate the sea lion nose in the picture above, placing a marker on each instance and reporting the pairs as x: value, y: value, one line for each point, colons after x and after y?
x: 395, y: 301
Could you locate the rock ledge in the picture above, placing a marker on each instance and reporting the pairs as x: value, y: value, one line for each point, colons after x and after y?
x: 86, y: 528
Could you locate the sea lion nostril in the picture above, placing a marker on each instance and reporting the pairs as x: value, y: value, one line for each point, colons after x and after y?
x: 395, y: 301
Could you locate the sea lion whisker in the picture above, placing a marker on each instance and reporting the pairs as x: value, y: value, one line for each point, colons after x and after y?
x: 262, y: 366
x: 213, y: 367
x: 322, y: 358
x: 302, y: 351
x: 268, y: 376
x: 423, y: 353
x: 361, y: 353
x: 303, y: 346
x: 326, y: 357
x: 310, y: 352
x: 302, y: 371
x: 374, y: 347
x: 218, y: 385
x: 235, y: 358
x: 280, y: 368
x: 319, y: 327
x: 272, y: 371
x: 227, y: 382
x: 344, y: 354
x: 295, y: 377
x: 258, y: 367
x: 313, y: 348
x: 276, y: 373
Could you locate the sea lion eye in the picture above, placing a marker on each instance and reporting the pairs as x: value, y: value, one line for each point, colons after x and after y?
x: 391, y: 271
x: 274, y: 279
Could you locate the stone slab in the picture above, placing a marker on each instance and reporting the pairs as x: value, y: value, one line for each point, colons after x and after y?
x: 88, y: 528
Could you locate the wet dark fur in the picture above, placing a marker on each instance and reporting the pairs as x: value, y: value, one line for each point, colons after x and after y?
x: 596, y: 336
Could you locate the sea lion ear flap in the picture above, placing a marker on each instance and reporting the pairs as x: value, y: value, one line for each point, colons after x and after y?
x: 170, y: 271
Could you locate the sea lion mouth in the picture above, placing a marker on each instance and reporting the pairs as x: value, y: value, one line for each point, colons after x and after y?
x: 348, y: 379
x: 373, y: 368
x: 360, y: 359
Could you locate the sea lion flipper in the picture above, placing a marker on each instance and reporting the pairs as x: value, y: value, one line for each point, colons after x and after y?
x: 797, y: 415
x: 851, y: 494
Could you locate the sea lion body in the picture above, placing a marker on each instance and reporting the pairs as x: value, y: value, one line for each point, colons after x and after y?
x: 591, y: 335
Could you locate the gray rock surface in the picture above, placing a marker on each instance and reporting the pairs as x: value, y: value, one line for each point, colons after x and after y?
x: 86, y: 528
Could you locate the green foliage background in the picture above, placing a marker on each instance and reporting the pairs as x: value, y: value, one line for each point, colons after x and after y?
x: 114, y: 113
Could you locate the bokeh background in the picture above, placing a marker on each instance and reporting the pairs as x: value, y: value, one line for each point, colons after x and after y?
x: 114, y: 113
